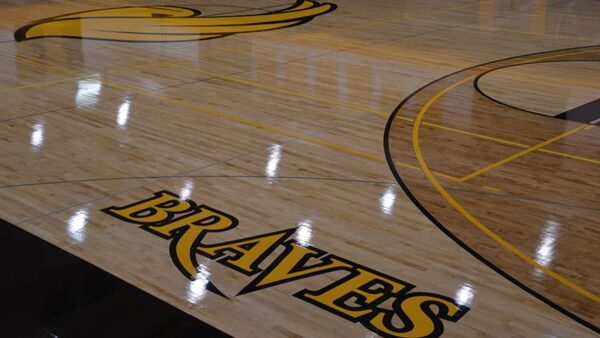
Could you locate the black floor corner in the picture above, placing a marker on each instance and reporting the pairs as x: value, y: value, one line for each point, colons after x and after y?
x: 47, y: 292
x: 587, y: 113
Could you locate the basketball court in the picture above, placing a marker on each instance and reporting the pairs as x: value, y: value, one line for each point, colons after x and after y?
x: 300, y: 168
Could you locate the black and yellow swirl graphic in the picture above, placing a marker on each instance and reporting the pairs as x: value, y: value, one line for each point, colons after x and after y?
x: 166, y: 23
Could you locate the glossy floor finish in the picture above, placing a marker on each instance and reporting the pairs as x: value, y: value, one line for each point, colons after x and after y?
x: 545, y: 184
x: 302, y: 200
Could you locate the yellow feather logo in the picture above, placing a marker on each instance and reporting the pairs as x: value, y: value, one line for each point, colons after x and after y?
x: 166, y: 23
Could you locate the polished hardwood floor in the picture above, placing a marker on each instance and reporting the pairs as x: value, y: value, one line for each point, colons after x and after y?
x: 312, y: 169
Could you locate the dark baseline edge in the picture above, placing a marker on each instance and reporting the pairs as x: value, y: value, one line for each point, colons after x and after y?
x: 439, y: 225
x: 124, y: 291
x: 582, y: 113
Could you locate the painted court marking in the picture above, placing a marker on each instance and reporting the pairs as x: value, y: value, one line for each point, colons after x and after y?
x: 456, y: 205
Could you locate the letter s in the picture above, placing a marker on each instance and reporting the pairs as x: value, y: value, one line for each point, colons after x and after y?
x: 414, y: 310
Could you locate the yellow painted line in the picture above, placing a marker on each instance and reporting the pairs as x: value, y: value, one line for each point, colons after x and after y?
x: 426, y: 170
x: 381, y: 22
x: 432, y: 178
x: 575, y: 157
x: 41, y: 64
x: 431, y: 175
x: 110, y: 71
x: 483, y: 137
x: 535, y: 60
x: 177, y: 24
x: 124, y: 69
x: 521, y: 153
x: 281, y: 90
x: 33, y: 85
x: 494, y: 189
x: 319, y: 99
x: 475, y: 26
x: 373, y: 111
x: 269, y: 128
x: 82, y: 76
x: 541, y: 77
x: 333, y: 102
x: 252, y: 123
x: 516, y: 144
x: 276, y: 130
x: 222, y: 115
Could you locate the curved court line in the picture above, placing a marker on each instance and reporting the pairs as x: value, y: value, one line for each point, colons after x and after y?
x: 290, y: 92
x: 439, y: 225
x: 504, y: 274
x: 348, y: 105
x: 469, y: 216
x: 234, y: 118
x: 489, y: 97
x: 300, y: 178
x: 373, y: 111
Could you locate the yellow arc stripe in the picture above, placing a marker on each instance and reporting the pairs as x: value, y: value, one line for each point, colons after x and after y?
x: 469, y: 216
x: 538, y: 59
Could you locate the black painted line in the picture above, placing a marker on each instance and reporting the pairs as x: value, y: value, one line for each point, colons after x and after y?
x: 439, y: 225
x: 299, y: 60
x: 306, y: 178
x: 489, y: 97
x: 301, y: 178
x: 587, y: 113
x: 48, y: 292
x: 244, y: 8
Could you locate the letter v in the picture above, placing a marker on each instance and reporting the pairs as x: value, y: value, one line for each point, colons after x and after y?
x: 290, y: 266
